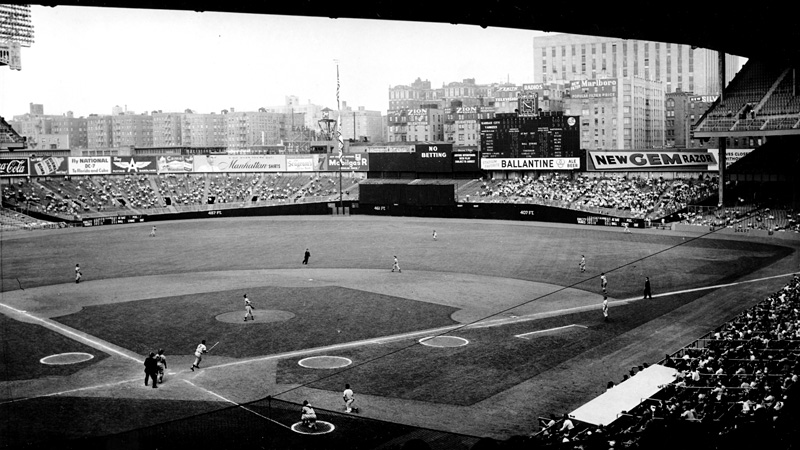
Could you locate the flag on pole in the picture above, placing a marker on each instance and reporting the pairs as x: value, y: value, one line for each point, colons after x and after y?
x: 339, y: 122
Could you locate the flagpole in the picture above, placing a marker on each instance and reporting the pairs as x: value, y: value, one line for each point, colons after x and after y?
x: 339, y: 135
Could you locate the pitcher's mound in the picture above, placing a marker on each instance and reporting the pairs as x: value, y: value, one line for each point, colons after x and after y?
x: 261, y: 316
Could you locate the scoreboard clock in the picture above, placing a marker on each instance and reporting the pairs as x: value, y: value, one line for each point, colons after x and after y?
x: 528, y: 106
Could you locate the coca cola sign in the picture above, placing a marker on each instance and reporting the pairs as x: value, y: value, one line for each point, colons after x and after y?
x: 14, y: 167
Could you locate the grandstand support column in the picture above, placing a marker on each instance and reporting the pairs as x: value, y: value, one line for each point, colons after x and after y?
x: 723, y: 141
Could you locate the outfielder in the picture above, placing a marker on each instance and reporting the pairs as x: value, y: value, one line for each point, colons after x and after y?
x: 396, y: 265
x: 153, y: 231
x: 248, y: 309
x: 605, y: 308
x: 434, y: 235
x: 78, y: 273
x: 603, y: 283
x: 582, y: 264
x: 198, y: 355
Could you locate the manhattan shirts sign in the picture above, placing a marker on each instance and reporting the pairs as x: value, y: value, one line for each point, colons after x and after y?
x: 651, y: 161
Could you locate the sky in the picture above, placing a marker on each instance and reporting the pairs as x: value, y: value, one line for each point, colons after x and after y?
x: 88, y: 60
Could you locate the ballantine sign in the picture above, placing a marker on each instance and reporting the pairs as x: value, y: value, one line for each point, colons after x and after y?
x: 530, y: 163
x: 651, y: 160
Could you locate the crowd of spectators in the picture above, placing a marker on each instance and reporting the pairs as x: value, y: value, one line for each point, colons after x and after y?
x: 733, y: 382
x: 186, y: 189
x: 638, y: 197
x: 32, y: 196
x: 745, y: 218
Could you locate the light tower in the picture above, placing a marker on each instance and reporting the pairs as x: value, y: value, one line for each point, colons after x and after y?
x: 16, y: 31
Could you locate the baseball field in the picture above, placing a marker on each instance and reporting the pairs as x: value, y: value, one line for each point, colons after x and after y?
x: 483, y: 330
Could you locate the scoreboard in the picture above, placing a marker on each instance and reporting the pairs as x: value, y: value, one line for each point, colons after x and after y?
x: 544, y: 136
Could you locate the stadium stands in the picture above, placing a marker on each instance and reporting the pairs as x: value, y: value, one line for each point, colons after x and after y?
x: 617, y: 195
x: 9, y: 138
x: 763, y: 96
x: 731, y: 382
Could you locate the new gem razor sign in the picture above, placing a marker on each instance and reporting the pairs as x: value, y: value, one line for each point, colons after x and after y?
x: 651, y: 160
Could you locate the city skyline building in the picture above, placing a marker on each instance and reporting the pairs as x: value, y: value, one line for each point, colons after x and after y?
x: 618, y: 113
x: 568, y: 57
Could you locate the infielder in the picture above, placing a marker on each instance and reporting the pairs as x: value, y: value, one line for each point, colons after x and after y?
x: 77, y: 273
x: 162, y: 365
x: 605, y: 308
x: 198, y: 354
x: 396, y: 265
x: 248, y: 309
x: 349, y: 398
x: 308, y: 416
x: 603, y: 283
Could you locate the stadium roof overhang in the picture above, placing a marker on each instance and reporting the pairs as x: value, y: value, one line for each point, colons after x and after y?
x: 763, y: 31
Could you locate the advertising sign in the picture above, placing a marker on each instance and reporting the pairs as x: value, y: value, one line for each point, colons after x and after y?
x: 14, y: 167
x: 49, y: 165
x: 175, y: 164
x: 239, y: 163
x: 530, y: 163
x: 703, y: 98
x: 391, y: 149
x: 731, y: 156
x: 89, y: 165
x: 465, y: 162
x: 133, y: 164
x: 651, y: 160
x: 354, y: 162
x: 598, y: 88
x: 305, y: 163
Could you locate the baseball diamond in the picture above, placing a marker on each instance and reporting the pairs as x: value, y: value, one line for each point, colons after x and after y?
x: 475, y: 296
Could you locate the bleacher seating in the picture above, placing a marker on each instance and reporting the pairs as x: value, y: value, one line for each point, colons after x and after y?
x: 618, y: 195
x: 9, y: 138
x: 733, y: 380
x: 762, y: 96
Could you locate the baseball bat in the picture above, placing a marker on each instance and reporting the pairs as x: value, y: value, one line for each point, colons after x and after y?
x: 212, y: 347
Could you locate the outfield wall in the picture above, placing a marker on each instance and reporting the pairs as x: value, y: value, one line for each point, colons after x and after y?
x: 298, y: 209
x: 500, y: 211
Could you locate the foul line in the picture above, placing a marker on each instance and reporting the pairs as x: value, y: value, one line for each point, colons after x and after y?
x: 99, y: 386
x: 49, y: 324
x: 239, y: 405
x: 548, y: 330
x: 541, y: 315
